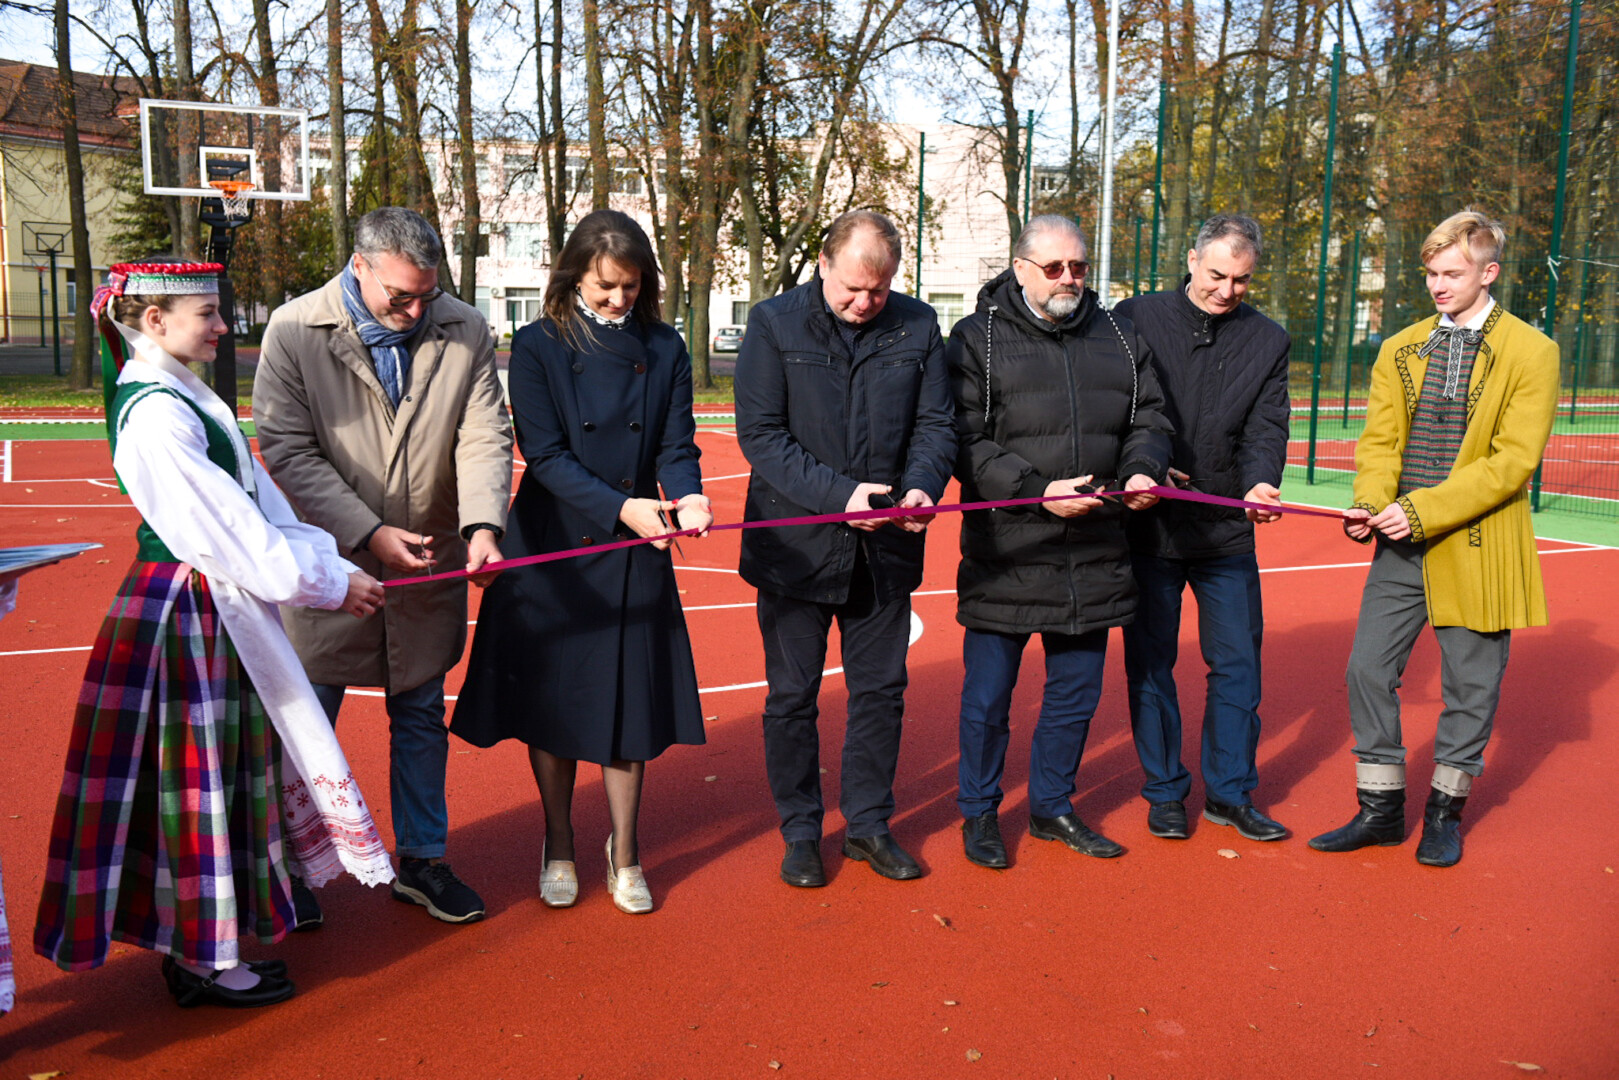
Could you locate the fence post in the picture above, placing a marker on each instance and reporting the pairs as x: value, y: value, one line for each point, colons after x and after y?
x: 1028, y: 168
x: 1349, y: 349
x: 1135, y: 275
x: 921, y: 204
x: 1579, y: 332
x: 56, y: 317
x: 1554, y: 254
x: 1321, y: 283
x: 1158, y: 181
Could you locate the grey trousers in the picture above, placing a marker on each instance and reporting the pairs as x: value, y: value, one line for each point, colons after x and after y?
x: 1393, y: 610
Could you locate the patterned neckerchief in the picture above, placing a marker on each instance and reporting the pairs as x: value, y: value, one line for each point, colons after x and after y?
x: 598, y: 318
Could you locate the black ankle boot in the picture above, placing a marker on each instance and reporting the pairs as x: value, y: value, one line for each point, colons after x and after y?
x: 1381, y: 821
x: 1441, y: 843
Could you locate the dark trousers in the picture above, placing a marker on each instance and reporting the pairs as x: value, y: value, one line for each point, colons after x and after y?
x: 875, y: 638
x: 1073, y: 687
x: 1230, y: 624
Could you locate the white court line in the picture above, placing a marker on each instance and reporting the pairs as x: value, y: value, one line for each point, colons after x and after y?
x: 67, y: 506
x: 716, y: 431
x: 41, y: 652
x: 916, y: 635
x: 6, y: 450
x: 706, y: 569
x: 732, y: 476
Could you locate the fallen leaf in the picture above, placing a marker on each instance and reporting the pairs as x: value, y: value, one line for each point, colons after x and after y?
x: 710, y: 779
x: 1254, y: 1026
x: 1227, y: 853
x: 1142, y: 1010
x: 711, y: 718
x: 952, y: 1003
x: 1372, y: 1032
x: 878, y: 985
x: 774, y: 1064
x: 1607, y: 869
x: 43, y: 1076
x: 1526, y: 1066
x: 104, y: 562
x: 973, y: 1055
x: 693, y: 1027
x: 941, y: 920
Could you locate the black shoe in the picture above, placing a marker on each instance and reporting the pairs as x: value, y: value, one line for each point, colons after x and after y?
x: 1073, y: 832
x: 885, y: 856
x: 190, y: 990
x: 1441, y: 843
x: 801, y: 866
x: 1381, y: 821
x: 981, y: 837
x: 305, y: 908
x: 1249, y: 823
x: 435, y: 887
x: 1168, y: 820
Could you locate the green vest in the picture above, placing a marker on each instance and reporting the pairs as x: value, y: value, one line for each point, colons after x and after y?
x: 221, y: 452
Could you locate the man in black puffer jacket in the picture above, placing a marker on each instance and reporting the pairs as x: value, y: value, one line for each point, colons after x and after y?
x: 1053, y: 393
x: 1223, y: 367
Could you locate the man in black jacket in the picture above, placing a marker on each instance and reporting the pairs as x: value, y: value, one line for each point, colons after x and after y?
x: 842, y: 405
x: 1053, y: 395
x: 1223, y: 368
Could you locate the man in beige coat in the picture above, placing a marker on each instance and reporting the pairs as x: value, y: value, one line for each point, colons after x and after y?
x: 380, y: 414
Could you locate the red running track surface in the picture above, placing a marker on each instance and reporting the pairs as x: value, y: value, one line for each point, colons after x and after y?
x: 1173, y: 961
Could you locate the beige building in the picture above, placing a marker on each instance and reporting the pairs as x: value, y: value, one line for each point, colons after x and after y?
x: 34, y: 195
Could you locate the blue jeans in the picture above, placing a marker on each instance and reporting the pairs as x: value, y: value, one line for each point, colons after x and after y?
x: 1073, y: 687
x: 418, y: 749
x: 1230, y: 624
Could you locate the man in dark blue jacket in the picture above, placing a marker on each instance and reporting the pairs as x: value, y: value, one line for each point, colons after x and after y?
x: 842, y: 404
x: 1223, y: 369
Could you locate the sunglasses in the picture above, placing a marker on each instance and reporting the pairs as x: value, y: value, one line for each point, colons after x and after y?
x: 399, y: 299
x: 1053, y: 271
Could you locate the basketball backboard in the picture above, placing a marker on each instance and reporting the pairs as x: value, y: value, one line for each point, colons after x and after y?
x: 43, y: 238
x: 185, y: 144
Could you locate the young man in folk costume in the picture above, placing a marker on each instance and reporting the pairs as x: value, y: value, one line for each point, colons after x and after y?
x: 1460, y: 408
x: 199, y: 756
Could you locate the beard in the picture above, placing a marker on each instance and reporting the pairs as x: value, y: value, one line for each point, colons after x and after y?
x: 1061, y: 305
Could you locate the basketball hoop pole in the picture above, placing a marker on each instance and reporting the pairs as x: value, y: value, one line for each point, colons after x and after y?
x: 220, y: 241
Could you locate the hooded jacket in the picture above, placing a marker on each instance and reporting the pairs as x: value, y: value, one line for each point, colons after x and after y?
x: 1224, y: 379
x: 1038, y: 401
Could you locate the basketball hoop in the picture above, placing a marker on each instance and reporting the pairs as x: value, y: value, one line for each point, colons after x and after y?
x: 233, y: 195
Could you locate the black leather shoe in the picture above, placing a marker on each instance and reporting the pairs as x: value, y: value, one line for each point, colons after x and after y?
x: 1168, y: 820
x: 801, y: 866
x: 1381, y: 821
x: 981, y: 838
x: 305, y: 908
x: 190, y: 990
x: 885, y: 856
x: 1073, y: 832
x: 1249, y: 823
x: 1441, y: 843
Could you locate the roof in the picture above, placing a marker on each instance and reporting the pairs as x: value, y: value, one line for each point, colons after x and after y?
x: 30, y: 105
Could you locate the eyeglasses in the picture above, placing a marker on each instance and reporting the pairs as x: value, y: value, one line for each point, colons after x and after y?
x: 399, y: 299
x: 1077, y: 267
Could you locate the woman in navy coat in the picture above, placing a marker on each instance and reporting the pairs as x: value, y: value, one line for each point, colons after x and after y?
x: 588, y: 658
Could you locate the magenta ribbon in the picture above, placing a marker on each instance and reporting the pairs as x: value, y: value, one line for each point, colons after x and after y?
x: 862, y: 515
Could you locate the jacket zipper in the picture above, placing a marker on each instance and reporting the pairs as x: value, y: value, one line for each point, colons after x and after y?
x: 1073, y: 427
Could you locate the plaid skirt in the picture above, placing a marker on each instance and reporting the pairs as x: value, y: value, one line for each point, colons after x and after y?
x: 8, y: 988
x: 168, y: 828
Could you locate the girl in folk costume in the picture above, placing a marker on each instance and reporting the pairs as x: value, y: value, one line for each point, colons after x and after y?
x: 199, y: 753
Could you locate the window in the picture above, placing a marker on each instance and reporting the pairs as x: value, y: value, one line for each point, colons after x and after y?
x: 739, y: 312
x: 578, y: 177
x: 627, y: 181
x: 524, y: 306
x: 527, y: 240
x: 952, y: 307
x: 485, y: 173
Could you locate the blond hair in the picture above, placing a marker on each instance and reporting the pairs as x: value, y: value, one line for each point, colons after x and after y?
x: 1481, y: 238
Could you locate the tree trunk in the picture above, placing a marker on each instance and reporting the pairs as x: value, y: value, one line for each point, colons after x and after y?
x: 556, y: 194
x: 472, y: 217
x: 1257, y: 109
x: 272, y: 265
x: 188, y: 241
x: 381, y: 163
x: 84, y: 334
x: 1184, y: 116
x: 701, y: 273
x: 338, y: 175
x: 601, y: 169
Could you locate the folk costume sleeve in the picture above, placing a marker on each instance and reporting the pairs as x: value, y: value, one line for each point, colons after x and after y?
x: 209, y: 521
x: 1382, y: 442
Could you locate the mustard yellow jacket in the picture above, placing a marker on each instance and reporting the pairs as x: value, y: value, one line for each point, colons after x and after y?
x: 1479, y: 569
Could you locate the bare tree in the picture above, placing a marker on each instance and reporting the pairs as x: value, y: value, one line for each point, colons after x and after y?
x: 471, y: 207
x: 84, y: 335
x: 338, y: 174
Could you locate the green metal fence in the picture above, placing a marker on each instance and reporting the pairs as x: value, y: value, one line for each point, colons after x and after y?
x: 1349, y: 157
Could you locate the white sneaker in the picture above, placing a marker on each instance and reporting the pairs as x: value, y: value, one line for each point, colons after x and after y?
x: 628, y: 886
